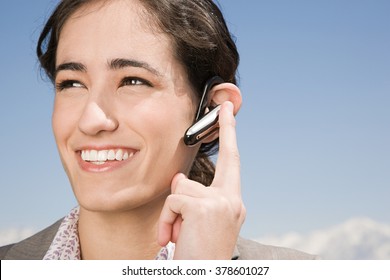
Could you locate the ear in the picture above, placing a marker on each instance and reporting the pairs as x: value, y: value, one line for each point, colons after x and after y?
x: 226, y: 92
x: 221, y: 93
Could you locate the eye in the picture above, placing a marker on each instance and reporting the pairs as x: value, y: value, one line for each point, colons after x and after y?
x: 69, y: 84
x: 134, y: 81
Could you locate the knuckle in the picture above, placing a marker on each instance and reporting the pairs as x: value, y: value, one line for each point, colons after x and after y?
x: 204, y: 209
x: 238, y: 209
x: 242, y: 214
x: 231, y: 122
x: 234, y: 206
x: 170, y: 199
x: 236, y: 156
x: 231, y: 151
x: 180, y: 186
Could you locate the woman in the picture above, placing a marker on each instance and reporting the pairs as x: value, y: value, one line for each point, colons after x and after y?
x: 129, y: 75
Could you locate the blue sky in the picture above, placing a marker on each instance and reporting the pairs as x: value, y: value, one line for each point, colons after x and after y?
x: 314, y: 130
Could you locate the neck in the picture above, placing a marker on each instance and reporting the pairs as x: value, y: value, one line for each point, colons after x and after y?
x: 130, y: 235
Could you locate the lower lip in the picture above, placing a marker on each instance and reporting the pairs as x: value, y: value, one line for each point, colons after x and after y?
x: 109, y: 165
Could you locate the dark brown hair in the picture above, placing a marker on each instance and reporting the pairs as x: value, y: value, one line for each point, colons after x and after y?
x: 201, y: 42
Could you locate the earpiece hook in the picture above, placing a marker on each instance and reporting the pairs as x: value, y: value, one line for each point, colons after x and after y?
x: 204, y: 124
x: 204, y: 101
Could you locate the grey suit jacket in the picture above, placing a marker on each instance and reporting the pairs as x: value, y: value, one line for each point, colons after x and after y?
x: 36, y: 246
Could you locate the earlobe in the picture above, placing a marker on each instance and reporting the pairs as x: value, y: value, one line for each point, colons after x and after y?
x: 227, y: 92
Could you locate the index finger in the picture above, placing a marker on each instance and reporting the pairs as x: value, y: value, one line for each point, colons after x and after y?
x: 227, y: 174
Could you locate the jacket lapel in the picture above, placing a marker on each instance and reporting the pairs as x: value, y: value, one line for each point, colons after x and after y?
x: 34, y: 247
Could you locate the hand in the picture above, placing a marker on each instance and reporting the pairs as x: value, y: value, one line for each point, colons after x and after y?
x: 205, y: 222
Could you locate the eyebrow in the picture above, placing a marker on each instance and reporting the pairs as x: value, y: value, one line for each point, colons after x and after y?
x: 120, y: 63
x: 115, y: 64
x: 72, y: 66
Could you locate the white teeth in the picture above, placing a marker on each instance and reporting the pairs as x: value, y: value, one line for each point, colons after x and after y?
x: 111, y: 155
x: 100, y: 157
x: 85, y: 155
x: 98, y: 162
x: 119, y: 155
x: 125, y: 155
x: 93, y: 155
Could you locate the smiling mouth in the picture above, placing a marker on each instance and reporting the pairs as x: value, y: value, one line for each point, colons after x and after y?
x: 100, y: 157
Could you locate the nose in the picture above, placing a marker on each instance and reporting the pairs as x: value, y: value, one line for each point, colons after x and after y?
x: 95, y: 119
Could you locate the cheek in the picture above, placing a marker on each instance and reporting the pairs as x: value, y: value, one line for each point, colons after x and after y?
x: 162, y: 126
x: 58, y: 121
x: 64, y: 121
x: 159, y: 117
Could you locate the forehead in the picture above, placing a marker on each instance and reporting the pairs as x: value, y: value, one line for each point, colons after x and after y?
x: 122, y: 27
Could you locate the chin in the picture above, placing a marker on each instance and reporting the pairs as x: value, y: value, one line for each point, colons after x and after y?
x: 106, y: 199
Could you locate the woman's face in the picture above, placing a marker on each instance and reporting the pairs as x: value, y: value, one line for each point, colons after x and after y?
x: 122, y: 105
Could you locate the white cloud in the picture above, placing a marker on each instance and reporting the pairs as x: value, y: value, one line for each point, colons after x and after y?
x: 357, y: 238
x: 12, y: 235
